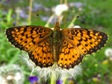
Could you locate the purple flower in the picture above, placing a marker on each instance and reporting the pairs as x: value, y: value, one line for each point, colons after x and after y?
x: 23, y: 14
x: 33, y: 79
x: 76, y: 4
x: 59, y: 82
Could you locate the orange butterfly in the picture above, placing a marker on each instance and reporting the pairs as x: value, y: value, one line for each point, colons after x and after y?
x: 65, y: 47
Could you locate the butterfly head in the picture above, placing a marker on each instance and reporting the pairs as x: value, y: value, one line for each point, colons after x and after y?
x: 57, y: 26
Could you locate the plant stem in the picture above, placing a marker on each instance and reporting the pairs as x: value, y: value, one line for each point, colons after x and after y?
x: 30, y: 12
x: 53, y: 78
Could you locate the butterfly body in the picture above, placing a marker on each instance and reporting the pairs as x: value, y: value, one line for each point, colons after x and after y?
x: 65, y: 47
x: 56, y: 40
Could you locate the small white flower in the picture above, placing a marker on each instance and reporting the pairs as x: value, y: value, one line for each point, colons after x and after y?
x: 11, y: 74
x: 3, y: 80
x: 59, y: 9
x: 108, y: 52
x: 77, y: 26
x: 18, y: 10
x: 54, y: 72
x: 9, y: 77
x: 26, y: 60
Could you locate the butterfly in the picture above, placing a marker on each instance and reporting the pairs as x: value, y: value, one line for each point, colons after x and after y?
x: 65, y: 47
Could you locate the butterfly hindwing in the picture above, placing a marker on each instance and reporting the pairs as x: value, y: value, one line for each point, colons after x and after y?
x: 69, y: 55
x: 42, y: 53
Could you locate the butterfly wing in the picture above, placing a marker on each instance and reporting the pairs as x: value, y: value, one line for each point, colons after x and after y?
x: 69, y: 55
x: 42, y: 54
x: 78, y: 42
x: 35, y: 40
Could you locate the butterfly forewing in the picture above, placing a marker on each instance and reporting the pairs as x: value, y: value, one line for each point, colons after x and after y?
x: 25, y: 37
x: 88, y: 41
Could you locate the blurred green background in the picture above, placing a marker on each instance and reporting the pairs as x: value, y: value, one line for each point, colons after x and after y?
x: 93, y: 14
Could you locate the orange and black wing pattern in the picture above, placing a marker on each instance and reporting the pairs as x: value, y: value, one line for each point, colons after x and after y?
x: 74, y: 44
x: 78, y: 42
x: 34, y: 40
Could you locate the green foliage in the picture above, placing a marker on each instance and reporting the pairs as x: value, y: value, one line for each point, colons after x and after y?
x: 96, y: 14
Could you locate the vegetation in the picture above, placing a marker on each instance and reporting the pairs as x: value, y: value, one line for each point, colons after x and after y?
x: 97, y: 15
